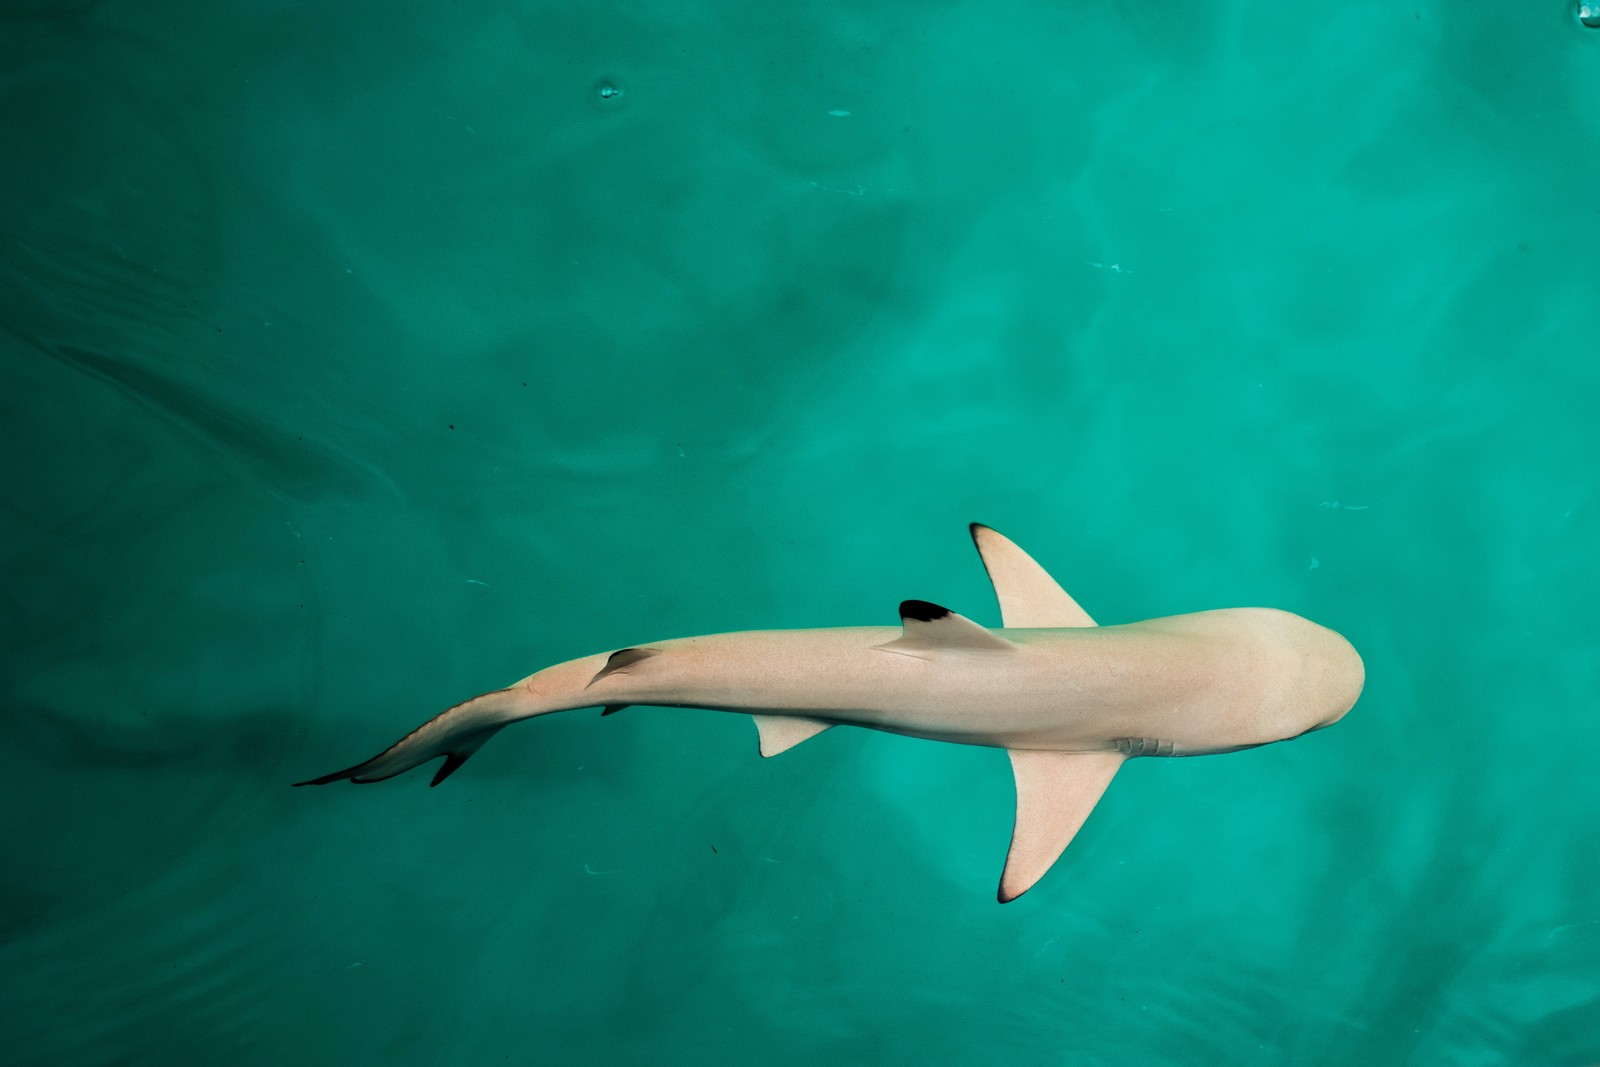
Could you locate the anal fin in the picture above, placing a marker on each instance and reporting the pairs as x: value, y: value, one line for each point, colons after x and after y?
x: 779, y: 733
x: 1056, y: 791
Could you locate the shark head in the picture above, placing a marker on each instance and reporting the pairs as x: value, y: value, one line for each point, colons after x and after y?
x: 1331, y: 676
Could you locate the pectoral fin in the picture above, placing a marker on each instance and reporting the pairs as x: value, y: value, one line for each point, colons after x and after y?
x: 1029, y: 597
x: 779, y: 733
x: 1055, y: 793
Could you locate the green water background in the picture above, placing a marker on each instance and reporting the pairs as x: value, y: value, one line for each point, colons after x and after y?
x: 358, y: 358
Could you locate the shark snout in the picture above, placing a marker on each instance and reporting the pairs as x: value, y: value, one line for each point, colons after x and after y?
x: 1344, y: 675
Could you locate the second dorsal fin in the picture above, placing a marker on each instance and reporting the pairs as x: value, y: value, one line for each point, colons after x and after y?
x: 620, y: 662
x: 930, y: 628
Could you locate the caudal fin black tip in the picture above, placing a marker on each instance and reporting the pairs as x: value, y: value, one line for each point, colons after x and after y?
x: 452, y: 760
x: 326, y: 779
x: 454, y: 734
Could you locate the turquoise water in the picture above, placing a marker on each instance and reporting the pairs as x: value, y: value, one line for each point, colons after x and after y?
x: 355, y: 359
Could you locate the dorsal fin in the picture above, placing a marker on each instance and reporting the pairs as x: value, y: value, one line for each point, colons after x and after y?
x: 780, y: 733
x: 1029, y: 597
x: 1056, y: 791
x: 619, y: 662
x: 930, y: 628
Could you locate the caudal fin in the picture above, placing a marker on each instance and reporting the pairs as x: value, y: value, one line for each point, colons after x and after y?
x: 454, y: 734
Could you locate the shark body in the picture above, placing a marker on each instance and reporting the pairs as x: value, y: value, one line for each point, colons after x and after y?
x: 1070, y: 701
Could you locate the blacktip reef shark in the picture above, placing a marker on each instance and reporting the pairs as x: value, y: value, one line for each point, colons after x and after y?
x: 1068, y: 700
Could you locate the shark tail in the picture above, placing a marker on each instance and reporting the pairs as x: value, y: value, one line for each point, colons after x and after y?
x: 454, y: 734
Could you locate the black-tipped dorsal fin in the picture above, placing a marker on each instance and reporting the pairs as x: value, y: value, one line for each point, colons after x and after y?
x: 1056, y: 791
x: 930, y: 628
x: 780, y: 733
x: 1029, y: 597
x: 621, y: 660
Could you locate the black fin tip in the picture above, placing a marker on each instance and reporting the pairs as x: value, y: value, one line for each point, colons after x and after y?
x: 922, y: 611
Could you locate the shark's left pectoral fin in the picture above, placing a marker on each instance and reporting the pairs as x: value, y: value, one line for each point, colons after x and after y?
x: 1056, y: 791
x: 780, y: 733
x: 1029, y: 597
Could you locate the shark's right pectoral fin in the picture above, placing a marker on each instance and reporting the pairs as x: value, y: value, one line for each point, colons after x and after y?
x: 1056, y: 791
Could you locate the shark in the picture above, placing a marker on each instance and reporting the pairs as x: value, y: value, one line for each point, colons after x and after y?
x: 1069, y: 701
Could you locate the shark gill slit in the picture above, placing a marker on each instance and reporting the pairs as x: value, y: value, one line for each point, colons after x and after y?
x: 1144, y: 746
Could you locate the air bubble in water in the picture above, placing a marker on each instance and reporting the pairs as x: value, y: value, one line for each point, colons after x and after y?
x: 1588, y: 12
x: 609, y: 93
